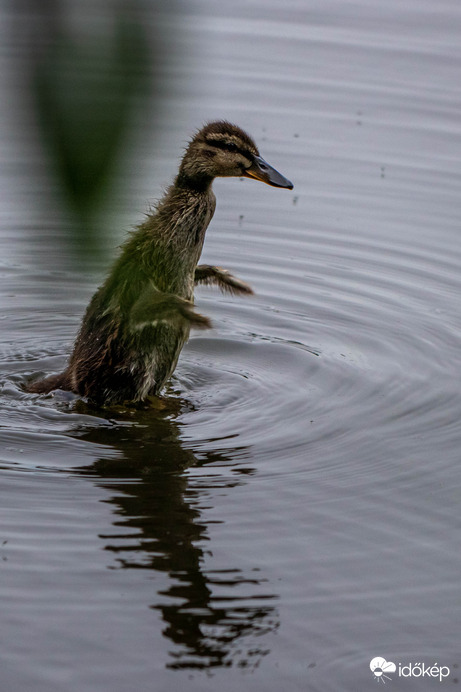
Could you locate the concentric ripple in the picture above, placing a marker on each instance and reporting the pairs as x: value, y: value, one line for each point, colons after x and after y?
x: 350, y: 347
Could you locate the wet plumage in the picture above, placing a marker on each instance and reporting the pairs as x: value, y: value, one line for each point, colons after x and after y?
x: 139, y: 319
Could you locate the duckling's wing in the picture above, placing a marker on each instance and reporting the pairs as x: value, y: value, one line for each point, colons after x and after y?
x: 154, y: 306
x: 209, y: 275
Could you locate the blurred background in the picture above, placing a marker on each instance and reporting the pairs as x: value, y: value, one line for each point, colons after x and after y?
x: 83, y: 86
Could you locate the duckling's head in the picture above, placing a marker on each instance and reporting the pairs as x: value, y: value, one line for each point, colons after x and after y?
x: 221, y: 149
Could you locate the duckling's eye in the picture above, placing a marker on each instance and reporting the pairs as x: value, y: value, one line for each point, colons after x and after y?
x: 230, y: 146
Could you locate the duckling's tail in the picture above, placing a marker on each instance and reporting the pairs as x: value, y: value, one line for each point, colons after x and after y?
x: 48, y: 384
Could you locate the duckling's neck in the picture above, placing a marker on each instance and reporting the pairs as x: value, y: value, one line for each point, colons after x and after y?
x: 200, y: 183
x: 181, y: 220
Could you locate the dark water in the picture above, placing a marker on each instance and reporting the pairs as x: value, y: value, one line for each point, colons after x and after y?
x: 293, y: 512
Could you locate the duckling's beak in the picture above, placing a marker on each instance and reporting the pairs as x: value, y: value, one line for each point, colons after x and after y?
x: 260, y: 170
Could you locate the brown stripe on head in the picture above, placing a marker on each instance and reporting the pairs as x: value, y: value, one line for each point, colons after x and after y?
x: 225, y: 135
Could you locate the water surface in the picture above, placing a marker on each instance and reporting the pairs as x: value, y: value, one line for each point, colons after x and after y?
x: 293, y: 510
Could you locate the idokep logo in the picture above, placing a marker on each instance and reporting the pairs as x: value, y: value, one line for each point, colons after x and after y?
x: 381, y: 668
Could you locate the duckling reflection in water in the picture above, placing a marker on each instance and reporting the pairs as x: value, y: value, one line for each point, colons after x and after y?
x: 139, y: 319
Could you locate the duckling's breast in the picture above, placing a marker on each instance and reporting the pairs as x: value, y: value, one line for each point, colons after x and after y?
x: 155, y: 356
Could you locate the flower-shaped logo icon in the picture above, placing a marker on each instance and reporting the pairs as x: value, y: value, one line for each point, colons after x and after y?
x: 380, y: 667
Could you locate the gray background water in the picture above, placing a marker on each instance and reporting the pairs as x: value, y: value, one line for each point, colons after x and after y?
x: 296, y: 513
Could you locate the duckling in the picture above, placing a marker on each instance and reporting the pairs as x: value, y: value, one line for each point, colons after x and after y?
x: 139, y: 319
